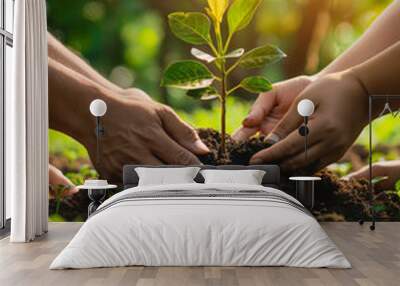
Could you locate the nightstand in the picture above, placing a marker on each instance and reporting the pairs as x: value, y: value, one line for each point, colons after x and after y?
x: 305, y: 190
x: 96, y: 195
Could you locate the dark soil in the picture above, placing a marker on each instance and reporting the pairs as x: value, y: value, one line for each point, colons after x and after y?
x: 335, y: 199
x: 238, y: 153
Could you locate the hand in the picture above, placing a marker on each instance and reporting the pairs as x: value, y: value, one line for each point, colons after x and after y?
x: 271, y: 106
x: 139, y: 130
x: 57, y: 178
x: 341, y: 113
x: 390, y: 169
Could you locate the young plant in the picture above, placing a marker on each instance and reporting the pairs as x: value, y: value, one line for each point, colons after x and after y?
x: 193, y: 76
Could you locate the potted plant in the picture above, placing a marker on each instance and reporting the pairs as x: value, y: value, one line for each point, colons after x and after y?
x: 195, y: 77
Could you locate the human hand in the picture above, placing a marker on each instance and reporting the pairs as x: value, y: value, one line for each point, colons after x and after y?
x: 57, y: 178
x: 389, y: 169
x: 141, y: 131
x: 271, y: 106
x: 341, y: 112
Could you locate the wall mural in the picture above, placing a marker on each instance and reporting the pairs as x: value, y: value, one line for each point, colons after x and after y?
x: 178, y: 84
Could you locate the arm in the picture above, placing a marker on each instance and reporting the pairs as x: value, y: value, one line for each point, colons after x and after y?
x: 389, y: 169
x: 61, y: 54
x: 138, y: 130
x: 383, y: 33
x: 341, y: 101
x: 270, y: 107
x: 380, y: 74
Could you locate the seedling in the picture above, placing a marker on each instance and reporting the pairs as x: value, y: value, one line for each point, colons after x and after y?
x: 195, y: 77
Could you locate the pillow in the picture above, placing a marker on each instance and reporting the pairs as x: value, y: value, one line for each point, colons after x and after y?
x: 166, y: 176
x: 244, y: 177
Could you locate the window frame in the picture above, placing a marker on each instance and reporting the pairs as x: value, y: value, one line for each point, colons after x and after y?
x: 6, y: 39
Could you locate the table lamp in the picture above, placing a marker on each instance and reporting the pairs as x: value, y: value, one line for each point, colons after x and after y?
x: 305, y: 185
x: 98, y: 108
x: 305, y: 108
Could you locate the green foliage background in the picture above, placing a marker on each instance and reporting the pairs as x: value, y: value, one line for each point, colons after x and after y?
x: 128, y: 42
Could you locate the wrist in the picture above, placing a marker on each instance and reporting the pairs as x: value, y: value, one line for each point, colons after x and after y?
x: 70, y: 95
x: 352, y: 75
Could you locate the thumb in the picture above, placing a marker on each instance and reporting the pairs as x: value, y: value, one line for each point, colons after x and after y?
x: 181, y: 131
x: 290, y: 122
x: 244, y: 133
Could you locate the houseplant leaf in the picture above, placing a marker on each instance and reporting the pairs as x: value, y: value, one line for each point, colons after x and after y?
x: 207, y: 93
x: 240, y: 14
x: 235, y: 54
x: 256, y: 84
x: 187, y: 75
x: 217, y: 9
x: 199, y: 54
x: 262, y: 56
x: 193, y: 28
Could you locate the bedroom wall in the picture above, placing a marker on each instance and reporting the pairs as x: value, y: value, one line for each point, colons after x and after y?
x: 128, y: 43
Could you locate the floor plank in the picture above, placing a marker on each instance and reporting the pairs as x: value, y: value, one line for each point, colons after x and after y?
x: 375, y: 257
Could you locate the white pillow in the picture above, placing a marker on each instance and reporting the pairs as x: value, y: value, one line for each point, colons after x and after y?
x: 166, y: 176
x: 247, y: 177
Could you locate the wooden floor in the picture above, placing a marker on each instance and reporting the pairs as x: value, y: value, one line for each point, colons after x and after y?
x: 375, y: 257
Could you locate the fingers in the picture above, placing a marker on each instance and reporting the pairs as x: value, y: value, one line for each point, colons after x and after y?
x: 243, y: 133
x: 292, y: 145
x: 377, y: 171
x: 171, y: 152
x: 182, y: 132
x: 56, y: 178
x: 260, y: 109
x: 290, y: 122
x: 318, y: 157
x: 362, y: 173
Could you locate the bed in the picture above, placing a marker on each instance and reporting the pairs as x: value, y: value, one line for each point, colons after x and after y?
x: 198, y: 224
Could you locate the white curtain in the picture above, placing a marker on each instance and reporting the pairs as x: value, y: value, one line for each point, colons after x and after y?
x: 27, y: 124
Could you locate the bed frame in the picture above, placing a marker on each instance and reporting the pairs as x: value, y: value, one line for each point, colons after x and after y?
x: 271, y: 178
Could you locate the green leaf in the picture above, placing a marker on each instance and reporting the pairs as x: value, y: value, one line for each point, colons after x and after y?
x: 240, y: 14
x: 379, y: 208
x: 397, y: 186
x: 377, y: 180
x: 235, y: 54
x: 262, y: 56
x: 207, y: 93
x: 217, y: 9
x: 193, y: 28
x: 199, y: 54
x: 187, y: 75
x: 256, y: 84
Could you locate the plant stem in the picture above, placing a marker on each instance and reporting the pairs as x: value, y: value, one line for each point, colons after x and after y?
x: 221, y: 51
x: 223, y: 110
x: 228, y: 41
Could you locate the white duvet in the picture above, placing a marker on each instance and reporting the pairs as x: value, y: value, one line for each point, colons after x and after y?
x: 200, y: 231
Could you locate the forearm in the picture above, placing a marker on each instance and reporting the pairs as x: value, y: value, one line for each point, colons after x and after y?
x: 383, y: 33
x: 380, y: 74
x: 70, y: 95
x: 58, y: 52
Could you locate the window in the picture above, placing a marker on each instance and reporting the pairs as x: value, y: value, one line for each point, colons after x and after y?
x: 6, y: 65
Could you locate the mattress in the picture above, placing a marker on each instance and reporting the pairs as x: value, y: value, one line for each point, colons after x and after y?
x: 201, y: 225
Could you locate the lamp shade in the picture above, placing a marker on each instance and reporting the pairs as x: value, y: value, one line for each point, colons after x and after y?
x: 98, y: 107
x: 305, y: 108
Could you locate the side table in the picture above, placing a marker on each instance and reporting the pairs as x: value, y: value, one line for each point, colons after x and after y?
x: 96, y: 195
x: 305, y: 187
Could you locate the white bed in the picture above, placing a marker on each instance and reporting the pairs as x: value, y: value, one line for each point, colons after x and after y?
x: 224, y: 225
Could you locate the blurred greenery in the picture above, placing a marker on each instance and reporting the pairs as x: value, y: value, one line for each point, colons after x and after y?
x: 128, y: 42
